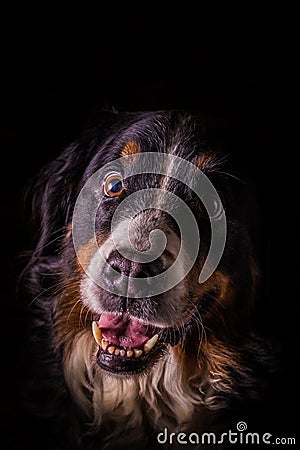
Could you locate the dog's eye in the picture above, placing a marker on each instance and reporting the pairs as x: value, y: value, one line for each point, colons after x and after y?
x: 113, y: 184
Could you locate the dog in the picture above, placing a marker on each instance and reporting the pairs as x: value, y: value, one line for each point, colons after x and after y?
x: 118, y: 366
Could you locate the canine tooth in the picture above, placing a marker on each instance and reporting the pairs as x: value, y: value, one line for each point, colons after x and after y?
x: 150, y: 343
x: 104, y: 344
x: 122, y: 353
x: 111, y: 349
x: 137, y: 353
x: 129, y: 353
x: 96, y: 333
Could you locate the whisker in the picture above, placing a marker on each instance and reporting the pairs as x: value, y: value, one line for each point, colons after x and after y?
x: 216, y: 300
x: 40, y: 295
x: 72, y: 309
x: 232, y: 176
x: 62, y: 235
x: 86, y: 316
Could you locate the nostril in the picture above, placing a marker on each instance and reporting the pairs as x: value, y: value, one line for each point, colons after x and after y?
x: 118, y: 263
x: 141, y: 274
x: 115, y: 266
x: 155, y: 267
x: 133, y: 269
x: 146, y: 270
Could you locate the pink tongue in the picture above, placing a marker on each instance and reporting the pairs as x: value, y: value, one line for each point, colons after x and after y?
x: 121, y: 330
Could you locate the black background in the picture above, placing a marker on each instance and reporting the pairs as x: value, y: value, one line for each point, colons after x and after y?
x: 237, y: 68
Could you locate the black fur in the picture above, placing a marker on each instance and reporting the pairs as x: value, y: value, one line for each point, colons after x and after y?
x: 53, y: 198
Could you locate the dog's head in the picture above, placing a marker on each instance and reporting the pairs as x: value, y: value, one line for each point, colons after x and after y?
x: 130, y: 284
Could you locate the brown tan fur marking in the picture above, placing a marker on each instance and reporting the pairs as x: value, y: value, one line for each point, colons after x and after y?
x: 208, y: 162
x: 131, y: 148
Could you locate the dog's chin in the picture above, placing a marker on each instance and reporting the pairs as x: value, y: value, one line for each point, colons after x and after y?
x: 128, y: 346
x: 128, y: 367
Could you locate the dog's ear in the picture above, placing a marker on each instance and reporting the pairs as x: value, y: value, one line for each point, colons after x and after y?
x: 51, y: 198
x: 54, y: 192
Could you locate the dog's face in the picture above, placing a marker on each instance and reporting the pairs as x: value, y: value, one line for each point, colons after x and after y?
x: 131, y: 325
x: 107, y: 290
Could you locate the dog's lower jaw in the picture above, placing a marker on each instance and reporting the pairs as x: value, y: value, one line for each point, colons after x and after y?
x: 162, y: 391
x: 185, y: 382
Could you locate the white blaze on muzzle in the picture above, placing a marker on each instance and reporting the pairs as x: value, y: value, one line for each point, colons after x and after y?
x: 133, y: 228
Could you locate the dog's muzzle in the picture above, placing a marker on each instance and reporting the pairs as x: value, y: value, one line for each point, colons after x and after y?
x: 133, y: 327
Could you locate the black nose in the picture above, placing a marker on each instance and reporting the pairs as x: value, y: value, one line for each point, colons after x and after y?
x: 125, y: 267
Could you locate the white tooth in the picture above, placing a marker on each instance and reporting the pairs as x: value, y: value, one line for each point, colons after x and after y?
x: 129, y: 353
x: 111, y: 349
x: 137, y: 352
x: 150, y: 343
x: 117, y: 351
x: 96, y: 333
x: 122, y: 352
x: 104, y: 344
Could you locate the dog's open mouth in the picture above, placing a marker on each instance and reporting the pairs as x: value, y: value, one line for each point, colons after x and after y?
x: 127, y: 345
